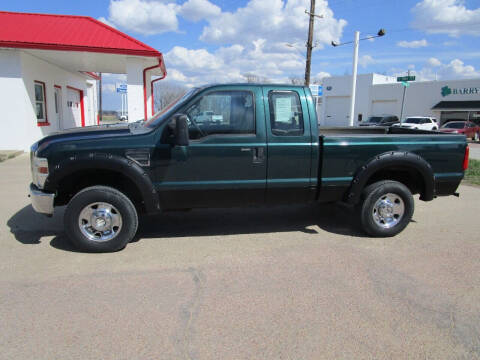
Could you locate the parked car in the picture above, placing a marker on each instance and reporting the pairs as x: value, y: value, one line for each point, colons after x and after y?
x: 267, y: 151
x: 382, y: 120
x: 468, y: 128
x: 207, y: 116
x: 419, y: 122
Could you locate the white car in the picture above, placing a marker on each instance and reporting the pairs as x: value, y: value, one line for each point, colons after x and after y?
x: 419, y: 122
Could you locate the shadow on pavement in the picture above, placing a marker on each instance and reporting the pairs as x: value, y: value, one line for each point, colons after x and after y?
x: 28, y: 227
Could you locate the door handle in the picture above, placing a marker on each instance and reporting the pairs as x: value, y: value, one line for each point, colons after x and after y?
x: 258, y: 155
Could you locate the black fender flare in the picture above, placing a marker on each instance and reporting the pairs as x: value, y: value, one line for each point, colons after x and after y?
x: 388, y: 159
x: 102, y: 161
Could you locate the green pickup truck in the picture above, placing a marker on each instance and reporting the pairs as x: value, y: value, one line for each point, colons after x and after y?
x: 263, y: 147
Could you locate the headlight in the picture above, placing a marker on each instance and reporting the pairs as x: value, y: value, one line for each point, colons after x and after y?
x: 39, y: 171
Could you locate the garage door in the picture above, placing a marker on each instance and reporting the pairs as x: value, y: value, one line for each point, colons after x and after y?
x: 74, y: 114
x: 336, y: 111
x: 388, y: 107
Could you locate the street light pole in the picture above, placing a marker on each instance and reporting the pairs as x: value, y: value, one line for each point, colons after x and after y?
x: 310, y: 42
x: 354, y: 77
x: 355, y: 42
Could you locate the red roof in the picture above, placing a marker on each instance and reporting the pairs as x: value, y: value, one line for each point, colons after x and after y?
x: 67, y: 32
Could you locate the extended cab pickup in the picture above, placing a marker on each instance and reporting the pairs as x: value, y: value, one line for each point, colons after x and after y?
x: 264, y: 149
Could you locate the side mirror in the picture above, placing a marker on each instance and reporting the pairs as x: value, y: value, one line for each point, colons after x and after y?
x: 181, y: 130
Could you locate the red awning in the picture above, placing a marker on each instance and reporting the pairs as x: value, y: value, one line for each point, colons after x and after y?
x: 67, y: 32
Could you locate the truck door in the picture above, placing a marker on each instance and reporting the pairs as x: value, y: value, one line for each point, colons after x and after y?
x: 225, y: 162
x: 289, y: 146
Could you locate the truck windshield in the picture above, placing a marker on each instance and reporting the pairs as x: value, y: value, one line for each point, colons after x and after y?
x: 169, y: 110
x: 375, y: 119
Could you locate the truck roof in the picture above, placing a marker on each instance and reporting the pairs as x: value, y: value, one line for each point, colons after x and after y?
x: 252, y: 84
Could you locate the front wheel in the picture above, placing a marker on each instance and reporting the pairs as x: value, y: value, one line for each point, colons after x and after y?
x: 100, y: 219
x: 386, y: 208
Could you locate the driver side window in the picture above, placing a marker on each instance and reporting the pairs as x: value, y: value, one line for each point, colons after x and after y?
x: 222, y: 112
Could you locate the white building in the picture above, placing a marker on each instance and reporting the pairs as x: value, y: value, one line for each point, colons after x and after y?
x: 48, y: 74
x: 379, y: 95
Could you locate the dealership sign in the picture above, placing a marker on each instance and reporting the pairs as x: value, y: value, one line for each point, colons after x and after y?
x: 446, y: 90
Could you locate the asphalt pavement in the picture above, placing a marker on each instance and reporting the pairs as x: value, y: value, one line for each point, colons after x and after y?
x: 299, y: 282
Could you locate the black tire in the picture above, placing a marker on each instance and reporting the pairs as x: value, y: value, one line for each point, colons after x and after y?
x: 101, y: 194
x: 373, y: 193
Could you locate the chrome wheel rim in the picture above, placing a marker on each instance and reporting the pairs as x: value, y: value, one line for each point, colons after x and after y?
x: 388, y: 210
x: 100, y: 222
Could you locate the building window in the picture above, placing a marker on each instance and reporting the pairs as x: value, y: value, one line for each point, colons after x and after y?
x: 40, y: 103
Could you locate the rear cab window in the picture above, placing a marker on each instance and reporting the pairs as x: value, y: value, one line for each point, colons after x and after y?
x: 286, y: 115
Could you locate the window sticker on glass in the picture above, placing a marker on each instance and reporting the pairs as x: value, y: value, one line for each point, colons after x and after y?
x: 283, y: 109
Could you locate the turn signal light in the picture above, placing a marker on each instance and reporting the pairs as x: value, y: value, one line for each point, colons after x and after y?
x: 465, y: 159
x: 42, y: 170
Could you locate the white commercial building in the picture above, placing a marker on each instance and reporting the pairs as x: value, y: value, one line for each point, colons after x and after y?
x: 49, y: 67
x: 381, y: 95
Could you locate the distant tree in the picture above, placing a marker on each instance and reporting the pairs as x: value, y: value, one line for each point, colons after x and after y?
x: 296, y: 80
x: 254, y: 78
x: 165, y: 92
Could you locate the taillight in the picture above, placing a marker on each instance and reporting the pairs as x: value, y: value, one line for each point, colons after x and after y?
x: 465, y: 159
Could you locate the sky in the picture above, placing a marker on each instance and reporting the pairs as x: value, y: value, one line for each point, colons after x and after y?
x: 206, y: 41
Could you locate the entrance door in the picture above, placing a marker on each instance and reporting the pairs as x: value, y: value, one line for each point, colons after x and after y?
x: 74, y: 116
x: 225, y: 162
x: 58, y: 107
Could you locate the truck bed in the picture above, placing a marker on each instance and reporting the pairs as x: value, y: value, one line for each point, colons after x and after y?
x: 344, y: 150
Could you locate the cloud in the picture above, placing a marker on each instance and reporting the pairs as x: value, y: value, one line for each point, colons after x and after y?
x: 231, y: 63
x: 150, y: 17
x: 446, y: 17
x: 275, y: 21
x: 106, y: 22
x: 434, y: 62
x: 109, y: 88
x: 196, y: 10
x: 366, y: 60
x: 144, y: 17
x: 434, y: 69
x: 413, y: 44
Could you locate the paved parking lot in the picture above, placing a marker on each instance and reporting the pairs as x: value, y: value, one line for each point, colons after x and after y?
x: 282, y: 283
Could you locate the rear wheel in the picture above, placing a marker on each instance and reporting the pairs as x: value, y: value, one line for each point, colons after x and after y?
x: 386, y: 208
x: 100, y: 219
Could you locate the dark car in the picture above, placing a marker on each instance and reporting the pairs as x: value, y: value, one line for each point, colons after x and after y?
x: 383, y: 120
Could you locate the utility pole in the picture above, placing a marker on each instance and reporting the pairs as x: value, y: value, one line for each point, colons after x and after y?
x: 310, y: 40
x: 354, y: 77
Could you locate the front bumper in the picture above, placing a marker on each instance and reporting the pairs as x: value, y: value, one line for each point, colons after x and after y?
x: 42, y: 202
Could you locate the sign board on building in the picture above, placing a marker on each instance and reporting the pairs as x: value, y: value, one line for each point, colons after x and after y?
x: 317, y: 90
x: 121, y: 88
x: 447, y: 90
x: 406, y: 78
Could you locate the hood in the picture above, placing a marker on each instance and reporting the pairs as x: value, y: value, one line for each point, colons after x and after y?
x: 83, y: 133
